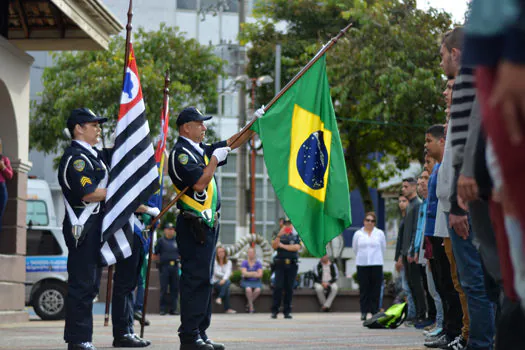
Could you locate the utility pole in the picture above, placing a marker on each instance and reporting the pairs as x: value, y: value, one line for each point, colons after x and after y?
x: 241, y: 227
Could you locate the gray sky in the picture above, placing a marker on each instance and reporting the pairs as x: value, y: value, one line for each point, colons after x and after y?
x: 456, y: 7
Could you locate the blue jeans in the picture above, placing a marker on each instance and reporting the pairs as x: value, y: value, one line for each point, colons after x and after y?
x: 437, y: 300
x: 139, y: 294
x: 411, y: 312
x: 223, y: 292
x: 470, y: 274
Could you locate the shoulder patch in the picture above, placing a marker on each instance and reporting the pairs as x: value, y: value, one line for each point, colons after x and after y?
x: 183, y: 158
x: 79, y: 164
x: 84, y: 180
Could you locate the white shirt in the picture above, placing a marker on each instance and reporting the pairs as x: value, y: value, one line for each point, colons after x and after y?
x: 222, y: 272
x: 88, y: 147
x: 369, y: 250
x: 195, y: 145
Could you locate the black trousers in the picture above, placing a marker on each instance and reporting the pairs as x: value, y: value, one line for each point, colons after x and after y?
x: 370, y: 280
x: 195, y: 282
x: 124, y: 283
x: 284, y: 280
x: 169, y: 278
x: 452, y: 312
x: 84, y: 280
x: 415, y: 282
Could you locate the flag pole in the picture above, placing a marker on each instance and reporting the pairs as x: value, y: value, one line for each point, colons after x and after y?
x: 317, y: 56
x: 149, y: 230
x: 126, y: 61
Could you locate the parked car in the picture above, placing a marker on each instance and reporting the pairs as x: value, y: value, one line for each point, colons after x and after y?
x: 46, y: 258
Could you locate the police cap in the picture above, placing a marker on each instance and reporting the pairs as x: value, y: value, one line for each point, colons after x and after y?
x: 286, y: 220
x: 83, y: 115
x: 168, y: 225
x: 191, y: 114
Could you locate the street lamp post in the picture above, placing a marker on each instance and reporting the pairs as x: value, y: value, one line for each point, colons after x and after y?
x: 265, y: 79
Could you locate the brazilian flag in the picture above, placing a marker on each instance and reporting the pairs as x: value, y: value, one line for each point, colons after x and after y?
x: 304, y: 157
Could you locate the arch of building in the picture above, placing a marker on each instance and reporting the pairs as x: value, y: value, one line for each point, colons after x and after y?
x: 14, y: 132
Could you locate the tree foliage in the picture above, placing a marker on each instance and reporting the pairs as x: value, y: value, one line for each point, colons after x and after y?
x: 385, y: 78
x: 93, y: 79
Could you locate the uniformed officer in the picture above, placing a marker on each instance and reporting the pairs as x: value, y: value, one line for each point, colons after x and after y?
x: 192, y: 164
x: 83, y: 178
x: 167, y: 252
x: 287, y: 244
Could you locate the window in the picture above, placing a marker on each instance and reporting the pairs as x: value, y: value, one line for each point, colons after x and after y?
x: 42, y: 242
x: 228, y: 187
x: 187, y: 4
x: 37, y: 213
x: 230, y: 166
x: 227, y: 233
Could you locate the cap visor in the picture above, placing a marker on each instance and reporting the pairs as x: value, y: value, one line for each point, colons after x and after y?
x: 100, y: 119
x: 205, y: 117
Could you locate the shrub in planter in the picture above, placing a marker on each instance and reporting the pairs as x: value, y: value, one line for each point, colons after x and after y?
x: 236, y: 277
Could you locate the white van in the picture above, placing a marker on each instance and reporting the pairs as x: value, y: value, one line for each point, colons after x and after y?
x: 46, y: 260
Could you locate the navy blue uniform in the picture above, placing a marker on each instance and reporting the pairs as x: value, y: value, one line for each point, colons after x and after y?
x: 186, y: 166
x: 285, y: 273
x: 168, y: 251
x: 79, y: 174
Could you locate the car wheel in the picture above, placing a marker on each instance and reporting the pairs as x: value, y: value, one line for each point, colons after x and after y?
x: 49, y: 301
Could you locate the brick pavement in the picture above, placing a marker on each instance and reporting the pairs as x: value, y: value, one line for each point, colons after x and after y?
x: 240, y: 331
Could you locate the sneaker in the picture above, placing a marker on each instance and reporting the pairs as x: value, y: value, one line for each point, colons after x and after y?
x: 438, y: 342
x: 431, y: 327
x: 433, y: 332
x: 409, y: 323
x: 231, y: 311
x: 457, y: 344
x: 420, y: 324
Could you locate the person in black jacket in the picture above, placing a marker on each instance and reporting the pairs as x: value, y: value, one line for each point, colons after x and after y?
x: 167, y: 252
x: 326, y: 275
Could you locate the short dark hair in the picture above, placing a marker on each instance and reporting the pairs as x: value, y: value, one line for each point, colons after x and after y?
x: 437, y: 131
x: 410, y: 180
x: 453, y: 39
x: 72, y: 129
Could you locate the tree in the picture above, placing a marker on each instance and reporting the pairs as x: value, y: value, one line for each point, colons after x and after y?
x: 94, y: 79
x: 384, y: 74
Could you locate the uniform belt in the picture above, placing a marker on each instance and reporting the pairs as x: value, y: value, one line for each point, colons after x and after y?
x: 171, y: 262
x: 286, y: 261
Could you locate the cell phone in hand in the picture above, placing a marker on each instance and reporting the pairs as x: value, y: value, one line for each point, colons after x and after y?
x: 288, y: 229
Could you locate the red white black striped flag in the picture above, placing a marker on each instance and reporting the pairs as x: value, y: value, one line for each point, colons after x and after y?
x: 133, y: 176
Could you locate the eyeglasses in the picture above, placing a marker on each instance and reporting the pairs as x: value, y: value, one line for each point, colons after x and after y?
x: 370, y: 220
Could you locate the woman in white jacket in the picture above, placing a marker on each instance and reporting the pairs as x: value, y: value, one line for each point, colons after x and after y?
x: 369, y: 246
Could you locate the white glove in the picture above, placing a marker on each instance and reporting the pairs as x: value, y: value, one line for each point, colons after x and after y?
x: 259, y: 113
x: 153, y: 211
x: 221, y: 153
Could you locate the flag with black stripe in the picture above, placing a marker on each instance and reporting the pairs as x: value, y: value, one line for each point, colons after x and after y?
x: 133, y: 176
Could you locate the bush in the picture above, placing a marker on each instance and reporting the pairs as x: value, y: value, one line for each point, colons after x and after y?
x: 354, y: 278
x: 267, y: 275
x: 388, y: 277
x: 236, y: 277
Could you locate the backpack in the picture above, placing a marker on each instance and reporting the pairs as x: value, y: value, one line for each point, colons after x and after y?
x: 390, y: 319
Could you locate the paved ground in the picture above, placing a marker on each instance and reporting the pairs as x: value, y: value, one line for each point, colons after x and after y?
x: 240, y: 331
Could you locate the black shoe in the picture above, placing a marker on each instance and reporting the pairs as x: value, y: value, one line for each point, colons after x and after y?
x: 457, y: 344
x: 216, y: 346
x: 440, y: 341
x: 130, y: 341
x: 81, y: 346
x: 363, y: 317
x: 198, y: 345
x: 288, y: 316
x: 137, y: 315
x: 173, y: 312
x: 274, y: 316
x: 162, y: 313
